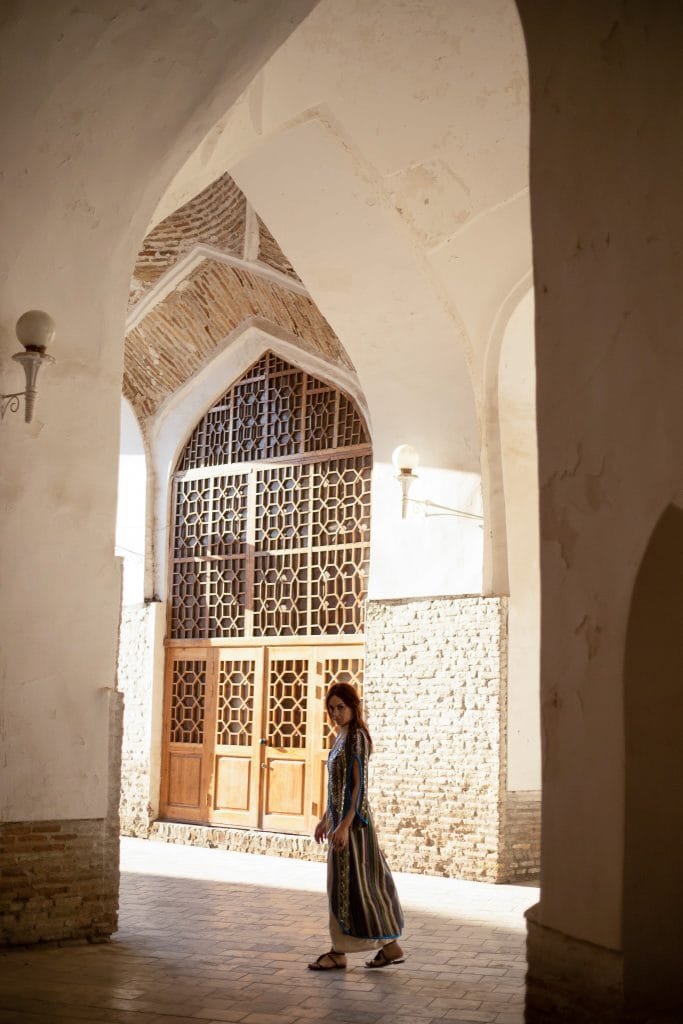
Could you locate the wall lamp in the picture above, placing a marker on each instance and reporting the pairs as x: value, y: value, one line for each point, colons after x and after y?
x: 35, y: 330
x: 406, y: 459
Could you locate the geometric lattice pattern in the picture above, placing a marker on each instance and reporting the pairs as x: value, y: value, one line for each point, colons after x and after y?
x: 287, y: 699
x: 273, y: 411
x: 338, y: 590
x: 282, y: 507
x: 188, y: 692
x: 235, y: 715
x: 281, y: 594
x: 341, y: 501
x: 226, y: 597
x: 271, y: 516
x: 340, y: 670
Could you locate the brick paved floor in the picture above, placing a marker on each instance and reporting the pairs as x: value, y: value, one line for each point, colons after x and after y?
x: 207, y: 935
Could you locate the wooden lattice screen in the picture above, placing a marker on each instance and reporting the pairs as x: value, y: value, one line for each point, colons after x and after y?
x: 271, y: 512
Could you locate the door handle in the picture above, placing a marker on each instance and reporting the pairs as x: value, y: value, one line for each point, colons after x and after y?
x: 264, y: 764
x: 263, y: 742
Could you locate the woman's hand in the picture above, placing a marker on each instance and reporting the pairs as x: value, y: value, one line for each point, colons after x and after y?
x: 340, y: 836
x: 320, y: 830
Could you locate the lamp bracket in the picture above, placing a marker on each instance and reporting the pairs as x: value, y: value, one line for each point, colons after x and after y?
x: 10, y: 403
x: 31, y: 360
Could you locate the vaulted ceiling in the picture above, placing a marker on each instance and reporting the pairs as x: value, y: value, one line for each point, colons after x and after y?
x: 203, y: 272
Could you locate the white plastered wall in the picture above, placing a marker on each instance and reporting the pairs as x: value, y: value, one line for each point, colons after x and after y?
x: 385, y: 146
x: 437, y: 554
x: 519, y: 460
x: 120, y: 102
x: 131, y: 508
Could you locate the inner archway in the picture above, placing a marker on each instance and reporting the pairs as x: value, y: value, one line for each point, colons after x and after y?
x: 269, y: 549
x: 653, y: 711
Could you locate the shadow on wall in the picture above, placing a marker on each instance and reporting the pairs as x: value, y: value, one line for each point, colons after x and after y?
x: 653, y: 702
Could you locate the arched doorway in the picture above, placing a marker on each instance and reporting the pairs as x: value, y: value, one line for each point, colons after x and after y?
x: 269, y: 548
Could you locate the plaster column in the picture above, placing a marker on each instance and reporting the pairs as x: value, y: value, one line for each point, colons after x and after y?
x: 114, y: 99
x: 606, y: 170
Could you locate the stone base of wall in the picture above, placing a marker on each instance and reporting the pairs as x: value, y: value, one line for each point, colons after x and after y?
x: 520, y: 840
x: 239, y: 840
x: 58, y: 881
x: 570, y: 981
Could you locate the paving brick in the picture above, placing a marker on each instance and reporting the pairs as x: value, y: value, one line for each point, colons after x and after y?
x: 190, y: 922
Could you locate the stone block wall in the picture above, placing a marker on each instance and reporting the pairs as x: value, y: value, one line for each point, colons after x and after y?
x: 239, y: 840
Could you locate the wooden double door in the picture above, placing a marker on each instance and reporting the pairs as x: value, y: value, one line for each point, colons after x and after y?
x: 245, y: 734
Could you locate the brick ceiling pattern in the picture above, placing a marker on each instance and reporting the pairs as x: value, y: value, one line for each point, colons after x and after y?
x: 216, y: 217
x: 180, y: 333
x: 270, y: 252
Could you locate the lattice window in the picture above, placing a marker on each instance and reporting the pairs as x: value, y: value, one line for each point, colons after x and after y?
x: 340, y: 501
x: 235, y: 718
x: 287, y: 703
x: 340, y: 670
x: 282, y: 508
x: 281, y: 594
x: 351, y: 429
x: 268, y: 549
x: 285, y: 405
x: 228, y: 520
x: 320, y: 425
x: 216, y: 436
x: 249, y: 423
x: 226, y: 597
x: 338, y: 590
x: 192, y: 519
x: 188, y: 601
x: 188, y: 693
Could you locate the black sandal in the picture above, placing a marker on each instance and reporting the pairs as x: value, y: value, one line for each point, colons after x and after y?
x: 382, y: 960
x: 334, y: 965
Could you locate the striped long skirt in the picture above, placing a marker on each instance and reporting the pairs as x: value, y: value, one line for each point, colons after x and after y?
x: 365, y: 912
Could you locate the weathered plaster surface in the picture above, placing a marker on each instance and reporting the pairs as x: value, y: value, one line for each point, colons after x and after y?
x: 519, y: 460
x: 121, y: 100
x: 610, y: 418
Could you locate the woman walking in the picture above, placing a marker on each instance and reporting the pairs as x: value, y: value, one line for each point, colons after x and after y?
x: 365, y: 912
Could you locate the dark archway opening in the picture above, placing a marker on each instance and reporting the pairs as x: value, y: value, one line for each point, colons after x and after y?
x: 653, y: 707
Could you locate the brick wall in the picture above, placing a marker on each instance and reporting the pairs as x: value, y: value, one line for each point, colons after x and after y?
x: 59, y: 880
x: 435, y: 686
x: 520, y: 853
x: 56, y: 882
x: 434, y: 690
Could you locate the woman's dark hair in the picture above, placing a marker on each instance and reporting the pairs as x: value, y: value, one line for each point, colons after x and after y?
x: 348, y: 695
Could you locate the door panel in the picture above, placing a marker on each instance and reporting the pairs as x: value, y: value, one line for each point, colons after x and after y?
x: 236, y: 736
x: 185, y: 774
x: 247, y: 736
x: 233, y: 788
x: 332, y: 665
x: 286, y: 786
x: 287, y: 751
x: 184, y: 779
